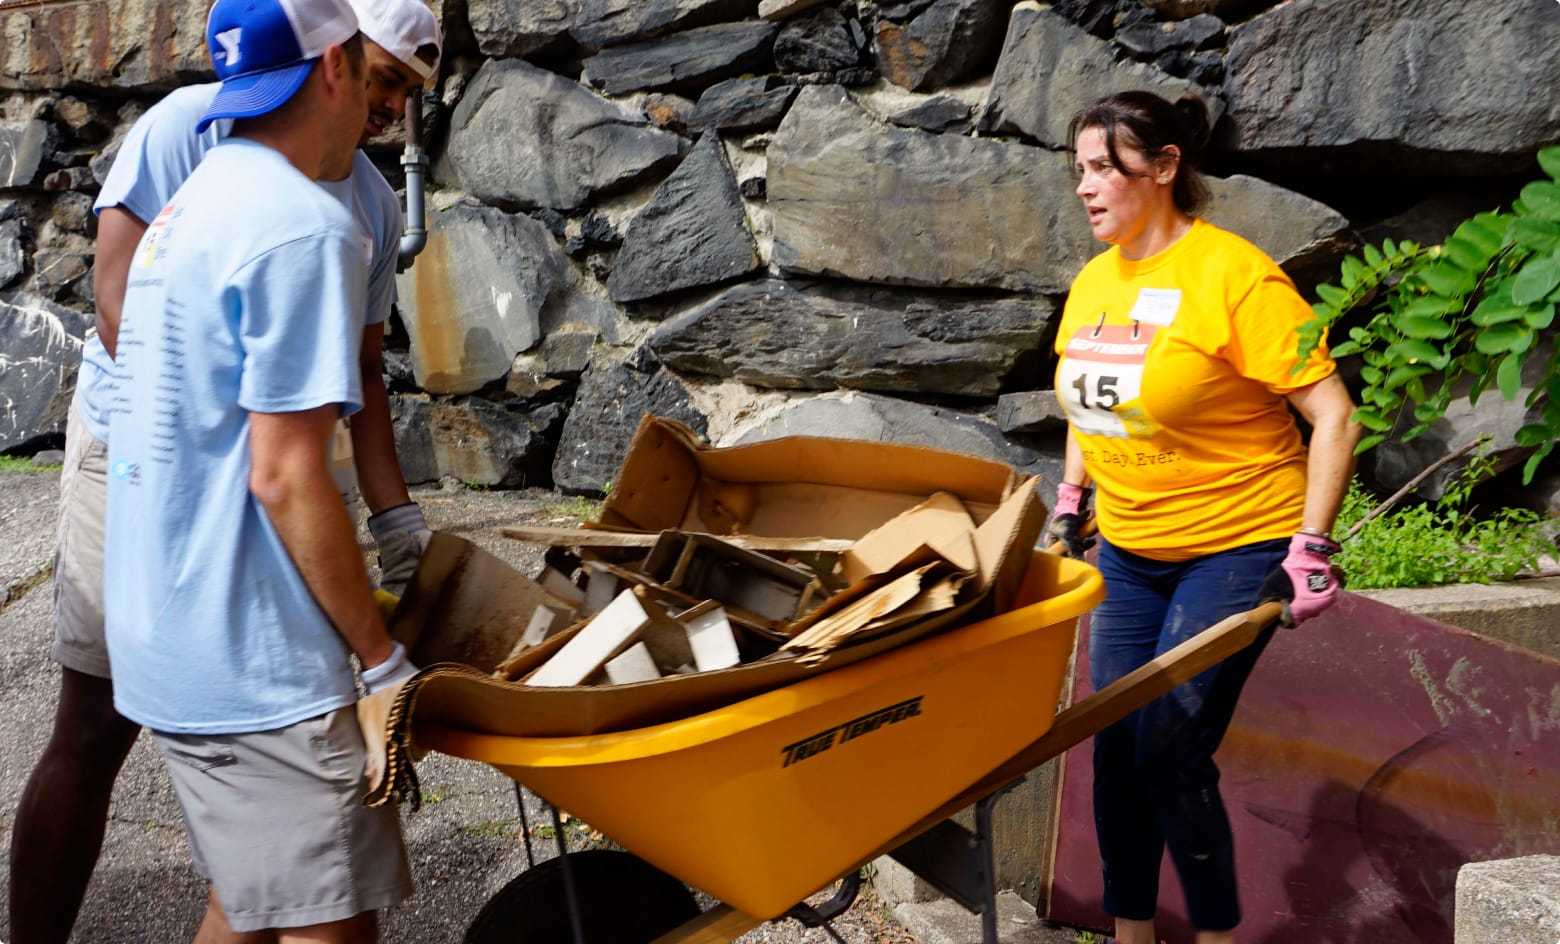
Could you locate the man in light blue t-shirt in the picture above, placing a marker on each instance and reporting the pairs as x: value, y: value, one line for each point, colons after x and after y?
x: 50, y: 866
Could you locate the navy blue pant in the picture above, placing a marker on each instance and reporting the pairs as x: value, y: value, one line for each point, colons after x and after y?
x: 1155, y: 782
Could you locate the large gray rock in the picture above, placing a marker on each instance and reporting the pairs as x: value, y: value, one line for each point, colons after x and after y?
x: 852, y: 415
x: 1227, y: 9
x: 686, y: 61
x: 1509, y: 901
x: 610, y: 22
x: 612, y: 399
x: 524, y: 136
x: 1050, y: 68
x: 801, y: 336
x: 127, y: 45
x: 938, y: 114
x: 40, y: 351
x: 1305, y: 236
x: 983, y: 213
x: 693, y: 231
x: 962, y: 212
x: 922, y: 46
x: 474, y: 298
x: 1033, y: 411
x: 1440, y: 86
x: 474, y: 440
x: 521, y: 27
x: 23, y: 147
x: 1147, y: 40
x: 820, y: 41
x: 12, y: 260
x: 742, y: 105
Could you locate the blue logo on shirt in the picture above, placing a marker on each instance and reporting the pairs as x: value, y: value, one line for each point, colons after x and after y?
x: 126, y: 470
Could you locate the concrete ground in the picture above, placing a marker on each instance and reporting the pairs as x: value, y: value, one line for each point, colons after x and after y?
x: 463, y: 844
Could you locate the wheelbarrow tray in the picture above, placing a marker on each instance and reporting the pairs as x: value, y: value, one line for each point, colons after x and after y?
x: 764, y: 801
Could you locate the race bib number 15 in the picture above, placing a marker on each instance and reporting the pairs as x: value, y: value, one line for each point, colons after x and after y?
x: 1101, y: 370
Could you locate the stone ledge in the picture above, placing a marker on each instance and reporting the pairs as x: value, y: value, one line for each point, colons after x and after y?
x: 1525, y: 613
x: 1509, y: 901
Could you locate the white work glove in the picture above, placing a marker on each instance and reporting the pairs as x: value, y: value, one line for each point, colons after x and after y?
x: 397, y: 668
x: 402, y: 535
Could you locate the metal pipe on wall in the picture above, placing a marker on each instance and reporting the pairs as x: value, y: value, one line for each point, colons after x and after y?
x: 414, y: 161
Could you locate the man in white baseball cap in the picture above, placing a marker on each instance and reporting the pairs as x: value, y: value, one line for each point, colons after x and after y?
x: 264, y: 61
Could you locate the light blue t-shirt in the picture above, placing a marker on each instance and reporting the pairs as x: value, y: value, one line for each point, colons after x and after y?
x: 246, y: 294
x: 159, y: 154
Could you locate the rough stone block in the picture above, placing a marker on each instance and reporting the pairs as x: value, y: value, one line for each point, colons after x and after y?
x: 1525, y: 613
x: 1036, y: 411
x: 524, y: 136
x: 1509, y: 901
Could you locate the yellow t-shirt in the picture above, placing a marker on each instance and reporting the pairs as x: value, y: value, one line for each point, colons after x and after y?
x: 1172, y: 371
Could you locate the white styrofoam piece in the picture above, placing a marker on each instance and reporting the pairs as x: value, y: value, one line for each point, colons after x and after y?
x: 540, y: 627
x: 634, y: 665
x: 555, y: 583
x: 583, y: 654
x: 599, y: 590
x: 714, y: 644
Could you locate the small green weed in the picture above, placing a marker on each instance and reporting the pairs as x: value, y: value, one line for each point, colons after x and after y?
x: 19, y: 465
x: 433, y: 796
x: 575, y: 506
x: 1090, y: 937
x: 1438, y: 543
x: 493, y: 828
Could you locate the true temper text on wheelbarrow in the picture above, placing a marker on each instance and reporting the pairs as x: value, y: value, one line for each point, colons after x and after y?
x: 850, y: 730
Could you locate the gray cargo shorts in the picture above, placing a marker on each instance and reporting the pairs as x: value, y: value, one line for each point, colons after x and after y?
x: 276, y: 823
x: 78, y: 553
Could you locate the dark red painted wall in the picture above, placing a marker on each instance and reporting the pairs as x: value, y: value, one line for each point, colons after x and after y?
x: 1373, y: 754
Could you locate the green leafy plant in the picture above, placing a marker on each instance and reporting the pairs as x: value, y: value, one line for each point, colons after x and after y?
x: 1438, y: 543
x: 1475, y: 308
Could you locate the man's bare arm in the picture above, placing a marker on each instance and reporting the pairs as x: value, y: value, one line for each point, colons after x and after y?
x: 373, y: 442
x: 290, y: 477
x: 118, y: 233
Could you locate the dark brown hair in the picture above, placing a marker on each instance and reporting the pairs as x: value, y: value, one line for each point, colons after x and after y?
x: 1144, y: 121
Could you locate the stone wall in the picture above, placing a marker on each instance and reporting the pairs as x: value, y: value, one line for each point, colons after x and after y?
x: 846, y: 218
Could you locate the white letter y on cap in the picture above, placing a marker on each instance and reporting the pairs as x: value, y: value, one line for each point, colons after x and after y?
x: 229, y: 40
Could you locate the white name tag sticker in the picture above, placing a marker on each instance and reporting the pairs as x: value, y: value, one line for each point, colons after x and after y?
x: 1156, y: 306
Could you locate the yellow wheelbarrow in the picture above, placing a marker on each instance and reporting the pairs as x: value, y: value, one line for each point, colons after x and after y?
x: 766, y: 801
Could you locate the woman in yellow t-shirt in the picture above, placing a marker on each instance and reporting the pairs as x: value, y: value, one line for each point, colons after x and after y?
x: 1177, y: 354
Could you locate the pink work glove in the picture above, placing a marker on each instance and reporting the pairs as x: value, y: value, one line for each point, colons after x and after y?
x: 1068, y: 519
x: 1306, y: 581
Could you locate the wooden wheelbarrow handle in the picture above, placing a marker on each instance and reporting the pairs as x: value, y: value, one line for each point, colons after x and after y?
x: 1109, y: 705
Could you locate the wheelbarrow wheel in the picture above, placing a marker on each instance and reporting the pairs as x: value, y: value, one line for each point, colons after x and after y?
x: 623, y: 900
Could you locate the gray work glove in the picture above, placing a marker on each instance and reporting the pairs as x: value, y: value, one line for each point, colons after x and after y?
x: 402, y: 535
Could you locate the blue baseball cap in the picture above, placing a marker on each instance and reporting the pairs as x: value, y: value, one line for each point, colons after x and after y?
x: 263, y: 51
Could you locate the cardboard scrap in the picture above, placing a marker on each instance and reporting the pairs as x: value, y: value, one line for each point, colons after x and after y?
x: 832, y: 631
x: 465, y: 605
x: 708, y: 568
x: 940, y: 527
x: 594, y: 537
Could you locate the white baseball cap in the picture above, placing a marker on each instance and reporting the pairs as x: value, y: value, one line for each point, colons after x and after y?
x: 400, y: 27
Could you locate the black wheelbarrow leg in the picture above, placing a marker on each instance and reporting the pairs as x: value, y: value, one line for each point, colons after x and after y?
x: 960, y: 863
x: 571, y: 895
x: 525, y: 825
